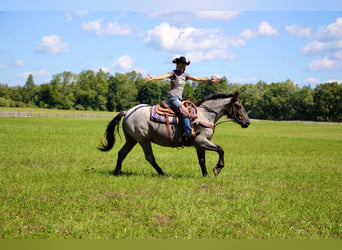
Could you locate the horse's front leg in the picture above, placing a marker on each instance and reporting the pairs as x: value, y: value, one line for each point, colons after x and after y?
x: 220, y: 163
x: 208, y: 145
x: 201, y: 160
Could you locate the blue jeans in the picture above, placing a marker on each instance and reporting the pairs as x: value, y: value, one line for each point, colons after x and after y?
x: 175, y: 102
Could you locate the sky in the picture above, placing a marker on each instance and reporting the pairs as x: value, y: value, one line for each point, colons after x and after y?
x: 245, y: 42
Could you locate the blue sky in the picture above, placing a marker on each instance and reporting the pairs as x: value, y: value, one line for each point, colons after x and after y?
x: 246, y: 42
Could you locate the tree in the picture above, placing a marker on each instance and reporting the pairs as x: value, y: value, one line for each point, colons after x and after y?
x: 275, y: 101
x: 112, y: 93
x: 102, y: 91
x: 164, y: 88
x: 85, y: 92
x: 328, y: 98
x: 188, y: 91
x: 4, y: 91
x: 29, y: 90
x: 149, y: 93
x: 122, y: 91
x: 205, y: 89
x: 302, y: 101
x: 55, y: 92
x: 44, y: 96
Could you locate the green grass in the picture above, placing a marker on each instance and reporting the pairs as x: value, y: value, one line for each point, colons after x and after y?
x: 281, y: 180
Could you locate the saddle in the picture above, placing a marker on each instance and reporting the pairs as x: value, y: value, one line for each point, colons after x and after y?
x: 164, y: 114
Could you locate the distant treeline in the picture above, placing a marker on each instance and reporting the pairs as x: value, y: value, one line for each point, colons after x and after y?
x: 92, y: 90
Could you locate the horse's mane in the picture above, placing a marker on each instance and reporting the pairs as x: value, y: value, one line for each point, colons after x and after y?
x: 214, y: 97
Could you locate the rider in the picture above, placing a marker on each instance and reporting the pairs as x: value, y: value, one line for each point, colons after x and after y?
x: 178, y: 78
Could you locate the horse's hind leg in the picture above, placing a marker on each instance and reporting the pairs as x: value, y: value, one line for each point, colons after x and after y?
x: 147, y: 147
x: 130, y: 143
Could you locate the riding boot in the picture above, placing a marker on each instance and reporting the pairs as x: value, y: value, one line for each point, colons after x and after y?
x: 187, y: 140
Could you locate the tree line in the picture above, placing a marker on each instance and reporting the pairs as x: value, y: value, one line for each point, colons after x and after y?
x: 90, y: 90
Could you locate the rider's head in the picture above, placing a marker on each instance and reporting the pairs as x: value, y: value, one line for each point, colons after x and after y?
x: 181, y: 63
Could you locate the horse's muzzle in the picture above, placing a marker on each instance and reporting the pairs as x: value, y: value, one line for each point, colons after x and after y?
x: 245, y: 124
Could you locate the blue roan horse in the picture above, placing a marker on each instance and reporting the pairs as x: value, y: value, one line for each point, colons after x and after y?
x: 138, y: 128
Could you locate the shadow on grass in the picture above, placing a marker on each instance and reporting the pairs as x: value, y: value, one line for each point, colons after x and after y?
x: 128, y: 173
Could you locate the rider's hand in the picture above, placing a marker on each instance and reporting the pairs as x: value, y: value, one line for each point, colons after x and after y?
x: 215, y: 79
x: 148, y: 78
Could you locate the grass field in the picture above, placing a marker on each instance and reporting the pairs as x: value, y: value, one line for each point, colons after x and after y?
x: 281, y: 180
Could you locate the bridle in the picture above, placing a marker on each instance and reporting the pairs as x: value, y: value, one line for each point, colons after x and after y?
x: 234, y: 113
x: 233, y: 118
x: 210, y: 110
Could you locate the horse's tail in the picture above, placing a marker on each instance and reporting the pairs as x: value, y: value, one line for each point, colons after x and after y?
x: 110, y: 137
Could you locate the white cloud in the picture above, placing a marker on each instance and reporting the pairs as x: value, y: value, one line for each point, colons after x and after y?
x: 124, y: 63
x: 322, y: 64
x: 264, y: 29
x: 311, y: 80
x: 298, y: 31
x: 199, y: 56
x: 198, y: 44
x: 52, y: 44
x: 248, y: 34
x: 322, y: 47
x: 333, y: 30
x: 69, y: 16
x: 165, y: 36
x: 81, y: 13
x: 19, y: 63
x: 338, y: 81
x: 94, y: 26
x: 38, y: 73
x: 109, y: 29
x: 326, y: 48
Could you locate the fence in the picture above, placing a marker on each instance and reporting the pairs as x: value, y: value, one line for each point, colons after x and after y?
x: 53, y: 115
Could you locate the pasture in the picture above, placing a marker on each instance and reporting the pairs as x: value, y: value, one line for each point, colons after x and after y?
x: 281, y: 181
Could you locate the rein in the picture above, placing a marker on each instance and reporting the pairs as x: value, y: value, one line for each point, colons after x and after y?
x: 216, y: 114
x: 230, y: 120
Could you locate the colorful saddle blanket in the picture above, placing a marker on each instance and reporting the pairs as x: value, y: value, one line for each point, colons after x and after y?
x: 161, y: 113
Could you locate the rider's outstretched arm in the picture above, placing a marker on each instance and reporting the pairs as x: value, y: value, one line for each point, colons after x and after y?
x: 161, y: 77
x: 213, y: 79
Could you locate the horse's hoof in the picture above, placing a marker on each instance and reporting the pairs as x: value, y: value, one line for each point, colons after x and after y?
x: 115, y: 173
x: 217, y: 170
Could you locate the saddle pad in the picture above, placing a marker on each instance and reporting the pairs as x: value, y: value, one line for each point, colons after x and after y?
x: 161, y: 118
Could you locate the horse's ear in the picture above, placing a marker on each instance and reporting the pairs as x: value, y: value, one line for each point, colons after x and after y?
x: 235, y: 95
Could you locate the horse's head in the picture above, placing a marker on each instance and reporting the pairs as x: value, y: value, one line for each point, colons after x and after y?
x: 237, y: 112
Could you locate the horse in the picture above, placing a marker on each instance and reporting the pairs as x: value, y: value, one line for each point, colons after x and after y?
x: 138, y: 128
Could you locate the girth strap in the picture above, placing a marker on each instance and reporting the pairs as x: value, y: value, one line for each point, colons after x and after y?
x: 169, y: 129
